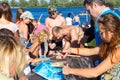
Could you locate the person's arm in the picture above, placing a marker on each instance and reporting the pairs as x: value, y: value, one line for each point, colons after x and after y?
x: 16, y: 34
x: 40, y: 50
x: 23, y: 77
x: 81, y: 34
x: 83, y: 51
x: 63, y: 21
x: 76, y: 38
x: 74, y: 35
x: 74, y: 19
x: 47, y: 21
x: 25, y: 31
x: 34, y: 45
x: 66, y: 45
x: 46, y: 47
x: 79, y: 19
x: 94, y: 72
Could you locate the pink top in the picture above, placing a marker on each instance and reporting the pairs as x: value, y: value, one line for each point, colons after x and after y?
x: 40, y: 27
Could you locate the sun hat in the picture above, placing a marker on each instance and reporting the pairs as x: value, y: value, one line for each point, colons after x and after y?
x: 27, y: 14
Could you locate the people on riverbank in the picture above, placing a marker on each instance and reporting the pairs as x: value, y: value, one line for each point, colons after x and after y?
x: 53, y: 21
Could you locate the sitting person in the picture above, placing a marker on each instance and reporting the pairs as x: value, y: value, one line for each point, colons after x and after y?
x: 109, y: 50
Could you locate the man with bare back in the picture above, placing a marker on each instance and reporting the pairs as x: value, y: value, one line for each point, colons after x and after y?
x: 71, y: 34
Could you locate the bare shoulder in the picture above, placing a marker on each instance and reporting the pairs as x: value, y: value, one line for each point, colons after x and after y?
x: 23, y: 26
x: 47, y: 19
x: 61, y: 17
x: 118, y: 53
x: 77, y: 28
x: 74, y: 29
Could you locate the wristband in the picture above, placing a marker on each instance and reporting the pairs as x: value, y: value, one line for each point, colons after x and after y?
x: 77, y: 51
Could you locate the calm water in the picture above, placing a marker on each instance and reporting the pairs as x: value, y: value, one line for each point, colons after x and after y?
x: 43, y: 14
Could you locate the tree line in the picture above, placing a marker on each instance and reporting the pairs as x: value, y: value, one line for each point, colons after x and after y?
x: 58, y: 3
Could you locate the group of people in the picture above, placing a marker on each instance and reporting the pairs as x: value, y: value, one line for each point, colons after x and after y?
x: 15, y: 56
x: 75, y: 21
x: 21, y: 44
x: 107, y: 39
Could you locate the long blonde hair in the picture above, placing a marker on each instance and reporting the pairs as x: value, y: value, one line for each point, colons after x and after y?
x: 11, y: 53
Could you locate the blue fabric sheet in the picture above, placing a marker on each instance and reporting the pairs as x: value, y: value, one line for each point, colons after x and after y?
x: 45, y: 70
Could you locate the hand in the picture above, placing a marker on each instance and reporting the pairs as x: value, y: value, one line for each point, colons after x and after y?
x: 67, y: 50
x: 66, y: 54
x: 52, y: 45
x: 66, y: 70
x: 23, y: 77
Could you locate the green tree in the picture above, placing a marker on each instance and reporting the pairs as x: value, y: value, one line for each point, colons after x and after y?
x: 53, y: 2
x: 34, y: 3
x: 13, y: 3
x: 23, y: 3
x: 58, y: 3
x: 5, y: 1
x: 43, y: 3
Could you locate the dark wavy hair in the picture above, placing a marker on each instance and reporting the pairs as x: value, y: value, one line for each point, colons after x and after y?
x: 5, y: 11
x: 110, y: 23
x: 5, y: 32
